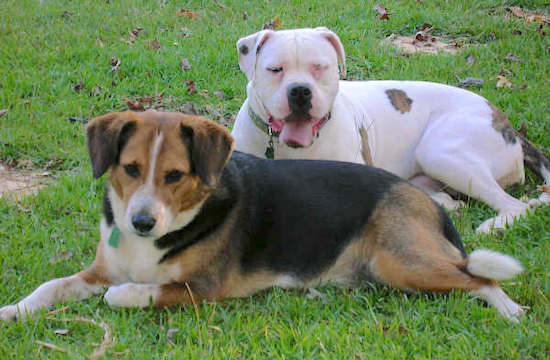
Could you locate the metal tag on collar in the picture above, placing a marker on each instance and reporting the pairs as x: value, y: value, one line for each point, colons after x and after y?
x: 270, y: 150
x: 114, y: 239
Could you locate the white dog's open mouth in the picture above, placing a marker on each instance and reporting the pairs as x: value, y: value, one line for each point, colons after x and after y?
x: 297, y: 134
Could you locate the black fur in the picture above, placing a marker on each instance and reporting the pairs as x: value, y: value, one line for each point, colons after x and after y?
x: 292, y: 217
x: 450, y: 232
x: 107, y: 209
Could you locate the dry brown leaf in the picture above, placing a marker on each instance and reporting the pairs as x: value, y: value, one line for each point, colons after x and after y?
x: 115, y: 63
x: 66, y: 14
x: 220, y: 94
x: 188, y: 14
x: 79, y: 86
x: 274, y: 25
x: 383, y: 13
x: 185, y: 65
x: 513, y: 57
x: 96, y: 91
x: 61, y: 331
x: 170, y: 334
x: 64, y: 255
x: 502, y: 81
x: 221, y: 6
x: 134, y: 105
x: 191, y: 87
x: 390, y: 333
x: 471, y: 59
x: 470, y: 81
x: 245, y: 15
x: 410, y: 45
x: 3, y: 112
x: 155, y: 45
x: 99, y: 43
x: 505, y: 72
x: 529, y: 16
x: 189, y: 108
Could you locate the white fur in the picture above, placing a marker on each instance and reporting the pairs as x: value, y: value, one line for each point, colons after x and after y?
x: 493, y: 265
x: 447, y: 135
x: 132, y: 295
x: 498, y: 298
x: 49, y: 294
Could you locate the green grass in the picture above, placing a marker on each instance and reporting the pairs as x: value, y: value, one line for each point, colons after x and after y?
x: 43, y: 55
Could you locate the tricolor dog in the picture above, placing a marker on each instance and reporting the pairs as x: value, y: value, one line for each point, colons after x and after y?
x: 439, y: 137
x: 186, y: 220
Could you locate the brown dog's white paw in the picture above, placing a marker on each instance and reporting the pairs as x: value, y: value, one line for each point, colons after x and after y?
x: 130, y: 295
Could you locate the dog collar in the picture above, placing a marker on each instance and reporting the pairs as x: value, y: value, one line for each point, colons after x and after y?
x: 266, y: 128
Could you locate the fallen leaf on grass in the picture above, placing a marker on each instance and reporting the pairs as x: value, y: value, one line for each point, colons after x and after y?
x: 471, y: 59
x: 170, y: 334
x: 99, y: 43
x: 529, y: 16
x: 134, y: 105
x: 50, y: 346
x: 78, y: 87
x: 502, y: 81
x: 221, y: 6
x: 96, y: 91
x: 185, y: 65
x: 133, y: 35
x: 390, y: 333
x: 220, y: 94
x: 505, y: 72
x: 470, y: 81
x: 245, y: 15
x: 155, y: 45
x: 274, y: 25
x: 191, y: 87
x: 64, y: 255
x: 115, y: 63
x: 3, y: 112
x: 383, y: 13
x: 189, y: 108
x: 513, y: 57
x: 61, y: 331
x: 66, y: 14
x: 188, y: 14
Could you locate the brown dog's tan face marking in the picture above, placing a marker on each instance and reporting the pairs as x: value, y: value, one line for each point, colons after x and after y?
x: 156, y: 175
x: 399, y: 99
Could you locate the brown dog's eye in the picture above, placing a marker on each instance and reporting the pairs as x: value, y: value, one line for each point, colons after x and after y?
x: 173, y: 176
x: 132, y: 170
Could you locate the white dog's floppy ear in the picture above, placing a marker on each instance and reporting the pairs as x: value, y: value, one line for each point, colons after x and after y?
x: 337, y: 44
x: 248, y: 48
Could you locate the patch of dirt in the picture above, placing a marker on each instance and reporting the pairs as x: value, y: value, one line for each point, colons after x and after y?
x: 17, y: 183
x: 411, y: 44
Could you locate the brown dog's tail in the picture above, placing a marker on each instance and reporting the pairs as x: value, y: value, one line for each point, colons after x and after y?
x: 492, y: 265
x: 535, y: 160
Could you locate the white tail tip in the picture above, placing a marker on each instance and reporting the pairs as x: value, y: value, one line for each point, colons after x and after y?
x: 492, y: 265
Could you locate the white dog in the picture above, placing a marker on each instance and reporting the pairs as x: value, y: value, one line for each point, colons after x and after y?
x: 439, y: 137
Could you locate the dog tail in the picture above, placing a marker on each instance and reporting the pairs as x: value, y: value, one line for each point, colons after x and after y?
x: 535, y: 160
x: 492, y: 265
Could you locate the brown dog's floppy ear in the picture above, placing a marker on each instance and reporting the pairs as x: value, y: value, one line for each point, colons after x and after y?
x: 106, y: 137
x: 210, y: 146
x: 337, y: 45
x: 248, y: 48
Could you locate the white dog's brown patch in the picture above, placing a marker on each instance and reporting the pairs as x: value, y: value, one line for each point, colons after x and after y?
x: 502, y: 124
x: 399, y: 100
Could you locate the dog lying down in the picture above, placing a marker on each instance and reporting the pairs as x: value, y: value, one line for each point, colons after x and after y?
x: 185, y: 219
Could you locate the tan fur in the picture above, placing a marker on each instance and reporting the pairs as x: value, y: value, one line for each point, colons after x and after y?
x: 399, y: 100
x: 365, y: 148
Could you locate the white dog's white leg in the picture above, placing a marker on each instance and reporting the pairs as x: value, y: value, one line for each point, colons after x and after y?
x: 49, y: 294
x: 435, y: 190
x: 467, y: 173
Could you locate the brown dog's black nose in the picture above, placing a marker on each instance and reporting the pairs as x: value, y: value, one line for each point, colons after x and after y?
x: 143, y: 222
x: 299, y: 97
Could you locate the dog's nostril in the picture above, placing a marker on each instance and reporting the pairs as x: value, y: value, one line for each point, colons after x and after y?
x: 299, y: 92
x: 143, y: 222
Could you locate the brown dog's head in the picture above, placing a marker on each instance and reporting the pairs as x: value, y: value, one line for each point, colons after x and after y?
x: 161, y: 166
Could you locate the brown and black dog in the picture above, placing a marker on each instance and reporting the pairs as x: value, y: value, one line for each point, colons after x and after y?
x: 185, y: 217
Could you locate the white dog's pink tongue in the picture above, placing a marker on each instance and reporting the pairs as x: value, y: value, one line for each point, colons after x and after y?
x: 297, y: 133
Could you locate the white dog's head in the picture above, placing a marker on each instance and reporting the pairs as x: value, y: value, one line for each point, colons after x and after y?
x: 293, y: 79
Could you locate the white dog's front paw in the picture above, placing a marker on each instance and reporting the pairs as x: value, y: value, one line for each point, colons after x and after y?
x: 130, y: 295
x: 499, y: 223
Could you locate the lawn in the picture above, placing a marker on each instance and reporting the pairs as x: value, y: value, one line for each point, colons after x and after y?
x: 61, y: 59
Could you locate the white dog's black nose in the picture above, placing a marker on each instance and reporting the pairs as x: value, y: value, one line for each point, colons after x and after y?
x: 299, y: 97
x: 143, y: 222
